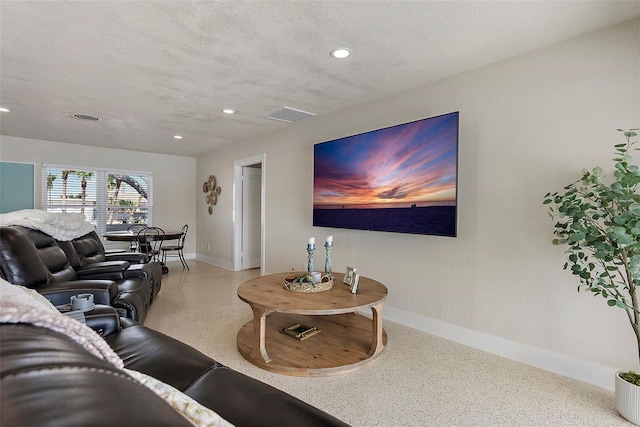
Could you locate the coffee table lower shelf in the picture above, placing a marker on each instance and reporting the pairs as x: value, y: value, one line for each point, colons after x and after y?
x: 342, y: 346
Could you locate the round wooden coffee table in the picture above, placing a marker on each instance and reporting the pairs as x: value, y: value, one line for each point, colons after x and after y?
x: 347, y: 341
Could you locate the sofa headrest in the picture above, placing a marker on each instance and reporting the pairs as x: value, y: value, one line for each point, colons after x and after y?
x: 26, y: 253
x: 89, y: 249
x: 19, y: 261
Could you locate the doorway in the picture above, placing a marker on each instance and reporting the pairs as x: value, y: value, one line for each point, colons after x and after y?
x: 248, y: 213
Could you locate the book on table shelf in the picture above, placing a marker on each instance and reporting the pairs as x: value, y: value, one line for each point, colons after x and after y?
x: 300, y: 331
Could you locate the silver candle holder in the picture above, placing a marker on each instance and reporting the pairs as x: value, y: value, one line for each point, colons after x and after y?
x: 327, y: 261
x: 310, y: 250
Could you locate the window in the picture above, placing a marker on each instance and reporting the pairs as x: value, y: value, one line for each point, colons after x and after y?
x: 110, y: 199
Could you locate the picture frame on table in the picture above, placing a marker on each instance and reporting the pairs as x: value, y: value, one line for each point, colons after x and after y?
x: 349, y: 275
x: 354, y: 283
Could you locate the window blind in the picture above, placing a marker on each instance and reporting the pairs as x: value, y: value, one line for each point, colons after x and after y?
x: 109, y: 199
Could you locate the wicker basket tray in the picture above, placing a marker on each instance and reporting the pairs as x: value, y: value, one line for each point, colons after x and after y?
x: 307, y: 288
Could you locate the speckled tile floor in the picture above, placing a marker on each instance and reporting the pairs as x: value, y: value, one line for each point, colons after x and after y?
x: 420, y: 380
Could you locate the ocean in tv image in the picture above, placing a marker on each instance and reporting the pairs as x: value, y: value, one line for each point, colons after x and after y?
x: 399, y: 179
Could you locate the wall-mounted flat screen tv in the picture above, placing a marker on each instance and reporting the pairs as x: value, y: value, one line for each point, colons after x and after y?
x: 400, y: 179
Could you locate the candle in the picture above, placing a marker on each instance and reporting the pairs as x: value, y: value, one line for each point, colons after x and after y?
x: 329, y: 240
x: 312, y: 242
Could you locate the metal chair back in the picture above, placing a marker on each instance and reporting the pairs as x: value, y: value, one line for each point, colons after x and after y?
x: 183, y: 236
x: 135, y: 229
x: 179, y: 248
x: 150, y: 242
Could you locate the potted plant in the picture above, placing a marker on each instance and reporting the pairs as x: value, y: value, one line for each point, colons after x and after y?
x: 600, y: 225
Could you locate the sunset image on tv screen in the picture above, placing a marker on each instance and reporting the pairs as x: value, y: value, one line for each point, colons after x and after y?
x: 399, y: 179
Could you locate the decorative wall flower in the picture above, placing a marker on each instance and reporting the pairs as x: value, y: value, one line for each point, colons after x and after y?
x: 213, y: 191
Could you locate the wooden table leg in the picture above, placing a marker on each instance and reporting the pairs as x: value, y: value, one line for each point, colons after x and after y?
x: 377, y: 344
x: 259, y: 352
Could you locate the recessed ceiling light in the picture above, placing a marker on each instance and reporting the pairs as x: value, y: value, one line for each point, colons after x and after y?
x: 228, y: 111
x: 340, y: 53
x: 177, y: 136
x: 4, y: 110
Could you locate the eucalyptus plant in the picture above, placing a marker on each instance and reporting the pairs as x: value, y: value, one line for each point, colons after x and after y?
x: 600, y: 224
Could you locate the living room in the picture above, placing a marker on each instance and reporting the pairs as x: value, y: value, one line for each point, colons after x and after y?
x: 528, y: 125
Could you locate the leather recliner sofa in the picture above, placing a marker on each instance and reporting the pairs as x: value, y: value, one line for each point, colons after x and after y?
x: 49, y: 379
x: 34, y: 259
x: 87, y: 256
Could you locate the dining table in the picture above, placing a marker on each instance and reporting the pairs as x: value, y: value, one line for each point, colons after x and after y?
x: 128, y: 236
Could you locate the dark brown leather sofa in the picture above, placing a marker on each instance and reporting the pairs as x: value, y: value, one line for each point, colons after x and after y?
x: 87, y: 256
x: 34, y: 259
x: 48, y: 379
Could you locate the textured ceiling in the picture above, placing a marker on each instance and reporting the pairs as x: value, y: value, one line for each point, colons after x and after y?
x: 151, y: 70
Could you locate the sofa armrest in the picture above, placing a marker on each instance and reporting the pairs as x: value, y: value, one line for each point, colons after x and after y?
x: 111, y: 270
x: 60, y: 293
x: 132, y: 257
x: 103, y: 319
x: 129, y: 305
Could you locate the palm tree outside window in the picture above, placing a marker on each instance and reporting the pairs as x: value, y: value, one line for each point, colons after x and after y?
x: 110, y: 199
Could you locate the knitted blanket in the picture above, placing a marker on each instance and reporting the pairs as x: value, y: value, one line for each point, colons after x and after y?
x: 60, y: 225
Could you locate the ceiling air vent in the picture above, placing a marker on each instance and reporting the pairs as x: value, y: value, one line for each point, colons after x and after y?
x: 84, y: 117
x: 289, y: 115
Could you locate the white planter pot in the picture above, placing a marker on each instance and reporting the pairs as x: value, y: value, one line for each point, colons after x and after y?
x: 628, y: 400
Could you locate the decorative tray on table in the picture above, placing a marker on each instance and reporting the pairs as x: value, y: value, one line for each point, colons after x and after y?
x: 304, y: 284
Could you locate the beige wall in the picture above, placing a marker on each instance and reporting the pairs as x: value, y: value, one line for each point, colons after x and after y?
x: 528, y: 125
x: 174, y: 184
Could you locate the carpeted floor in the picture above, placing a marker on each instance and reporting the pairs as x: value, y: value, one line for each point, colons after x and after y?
x: 420, y: 380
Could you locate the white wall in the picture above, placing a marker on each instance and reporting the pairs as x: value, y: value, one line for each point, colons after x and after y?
x: 174, y: 183
x: 528, y: 126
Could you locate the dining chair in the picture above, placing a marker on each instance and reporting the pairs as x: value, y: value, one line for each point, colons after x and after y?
x: 135, y: 229
x: 179, y: 248
x: 150, y: 242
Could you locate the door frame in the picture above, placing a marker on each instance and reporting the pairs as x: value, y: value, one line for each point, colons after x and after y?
x: 237, y: 208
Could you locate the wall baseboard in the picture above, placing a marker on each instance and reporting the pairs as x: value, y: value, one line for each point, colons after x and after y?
x: 215, y: 261
x: 570, y: 367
